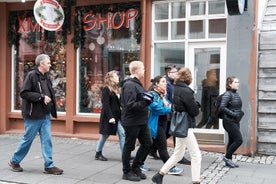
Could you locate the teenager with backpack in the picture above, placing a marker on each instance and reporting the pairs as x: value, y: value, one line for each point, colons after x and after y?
x: 231, y: 108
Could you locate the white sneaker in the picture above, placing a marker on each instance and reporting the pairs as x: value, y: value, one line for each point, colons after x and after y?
x: 175, y: 171
x: 144, y: 168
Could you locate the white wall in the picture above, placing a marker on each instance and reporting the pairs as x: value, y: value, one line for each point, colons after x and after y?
x: 261, y: 10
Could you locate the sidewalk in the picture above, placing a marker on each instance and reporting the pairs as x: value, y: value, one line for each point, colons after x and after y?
x: 76, y: 158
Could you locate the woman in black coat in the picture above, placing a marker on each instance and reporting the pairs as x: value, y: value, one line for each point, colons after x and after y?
x: 184, y: 101
x: 110, y: 120
x: 231, y: 106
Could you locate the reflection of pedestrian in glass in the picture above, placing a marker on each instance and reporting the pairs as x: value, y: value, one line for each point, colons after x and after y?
x: 210, y: 91
x: 110, y: 120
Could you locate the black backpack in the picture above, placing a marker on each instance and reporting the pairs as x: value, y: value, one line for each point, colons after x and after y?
x: 218, y: 112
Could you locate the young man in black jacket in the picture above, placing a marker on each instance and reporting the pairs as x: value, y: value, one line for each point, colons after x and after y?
x: 38, y: 102
x: 134, y: 102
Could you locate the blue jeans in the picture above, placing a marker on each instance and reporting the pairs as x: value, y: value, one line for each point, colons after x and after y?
x: 103, y: 138
x: 32, y: 127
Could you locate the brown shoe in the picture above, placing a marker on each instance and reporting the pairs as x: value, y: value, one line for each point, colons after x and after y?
x: 15, y: 167
x: 53, y: 170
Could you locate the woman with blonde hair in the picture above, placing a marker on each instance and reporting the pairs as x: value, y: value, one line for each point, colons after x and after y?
x: 110, y: 119
x: 184, y: 101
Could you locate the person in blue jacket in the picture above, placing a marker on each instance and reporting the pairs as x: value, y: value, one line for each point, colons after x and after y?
x: 159, y: 109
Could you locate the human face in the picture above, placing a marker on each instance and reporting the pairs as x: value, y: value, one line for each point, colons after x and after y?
x: 45, y: 66
x: 162, y: 84
x: 115, y: 78
x: 173, y: 73
x: 235, y: 84
x: 141, y: 72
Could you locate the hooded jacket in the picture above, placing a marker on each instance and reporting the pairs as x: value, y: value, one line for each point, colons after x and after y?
x: 134, y: 109
x: 33, y: 93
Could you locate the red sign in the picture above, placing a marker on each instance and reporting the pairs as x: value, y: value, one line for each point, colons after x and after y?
x: 91, y: 20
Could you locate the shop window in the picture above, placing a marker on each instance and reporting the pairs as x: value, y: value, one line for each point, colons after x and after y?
x: 161, y: 31
x: 161, y: 11
x: 216, y: 7
x: 28, y: 40
x: 217, y: 28
x: 178, y: 30
x: 198, y: 8
x: 207, y: 72
x: 108, y: 38
x: 206, y: 20
x: 197, y: 29
x: 178, y: 10
x: 168, y: 54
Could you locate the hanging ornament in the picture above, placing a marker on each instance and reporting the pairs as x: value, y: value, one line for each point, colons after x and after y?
x: 49, y: 14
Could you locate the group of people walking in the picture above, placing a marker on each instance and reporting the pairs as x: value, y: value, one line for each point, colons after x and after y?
x: 135, y: 114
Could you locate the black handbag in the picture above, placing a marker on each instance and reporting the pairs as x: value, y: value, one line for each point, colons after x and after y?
x: 180, y: 124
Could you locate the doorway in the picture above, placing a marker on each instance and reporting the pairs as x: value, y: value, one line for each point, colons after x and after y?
x: 207, y: 62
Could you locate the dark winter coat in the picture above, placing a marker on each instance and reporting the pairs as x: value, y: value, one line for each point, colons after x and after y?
x: 32, y: 94
x: 134, y: 109
x: 170, y: 88
x: 184, y: 101
x: 231, y: 106
x: 110, y: 109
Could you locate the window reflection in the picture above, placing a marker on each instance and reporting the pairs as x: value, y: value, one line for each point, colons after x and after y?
x: 207, y: 64
x: 34, y: 40
x: 168, y: 53
x: 210, y: 91
x: 110, y: 43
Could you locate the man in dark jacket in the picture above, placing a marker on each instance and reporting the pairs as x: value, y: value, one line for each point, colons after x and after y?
x: 38, y: 102
x: 134, y: 102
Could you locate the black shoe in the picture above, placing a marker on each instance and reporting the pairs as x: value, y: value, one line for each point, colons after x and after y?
x: 157, y: 178
x: 139, y: 173
x: 154, y: 155
x: 229, y: 162
x: 185, y: 161
x: 100, y: 157
x: 131, y: 176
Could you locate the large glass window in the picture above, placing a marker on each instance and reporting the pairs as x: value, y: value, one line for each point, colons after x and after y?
x: 110, y: 41
x: 185, y: 20
x: 168, y: 53
x: 28, y: 40
x: 207, y: 72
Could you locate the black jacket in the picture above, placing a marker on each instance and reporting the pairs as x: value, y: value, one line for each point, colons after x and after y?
x: 231, y: 106
x: 184, y: 101
x: 32, y: 93
x: 134, y: 109
x: 110, y: 109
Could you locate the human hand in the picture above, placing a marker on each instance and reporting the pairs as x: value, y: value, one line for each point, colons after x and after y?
x: 112, y: 121
x: 47, y: 99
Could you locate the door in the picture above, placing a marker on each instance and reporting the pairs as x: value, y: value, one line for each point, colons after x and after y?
x: 207, y: 62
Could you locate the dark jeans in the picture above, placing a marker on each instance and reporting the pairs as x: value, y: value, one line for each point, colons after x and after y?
x: 234, y: 136
x: 160, y: 142
x: 142, y: 133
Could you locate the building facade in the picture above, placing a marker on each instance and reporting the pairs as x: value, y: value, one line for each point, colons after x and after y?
x: 97, y: 37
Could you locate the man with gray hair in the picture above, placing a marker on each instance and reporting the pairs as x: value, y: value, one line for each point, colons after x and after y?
x: 38, y: 102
